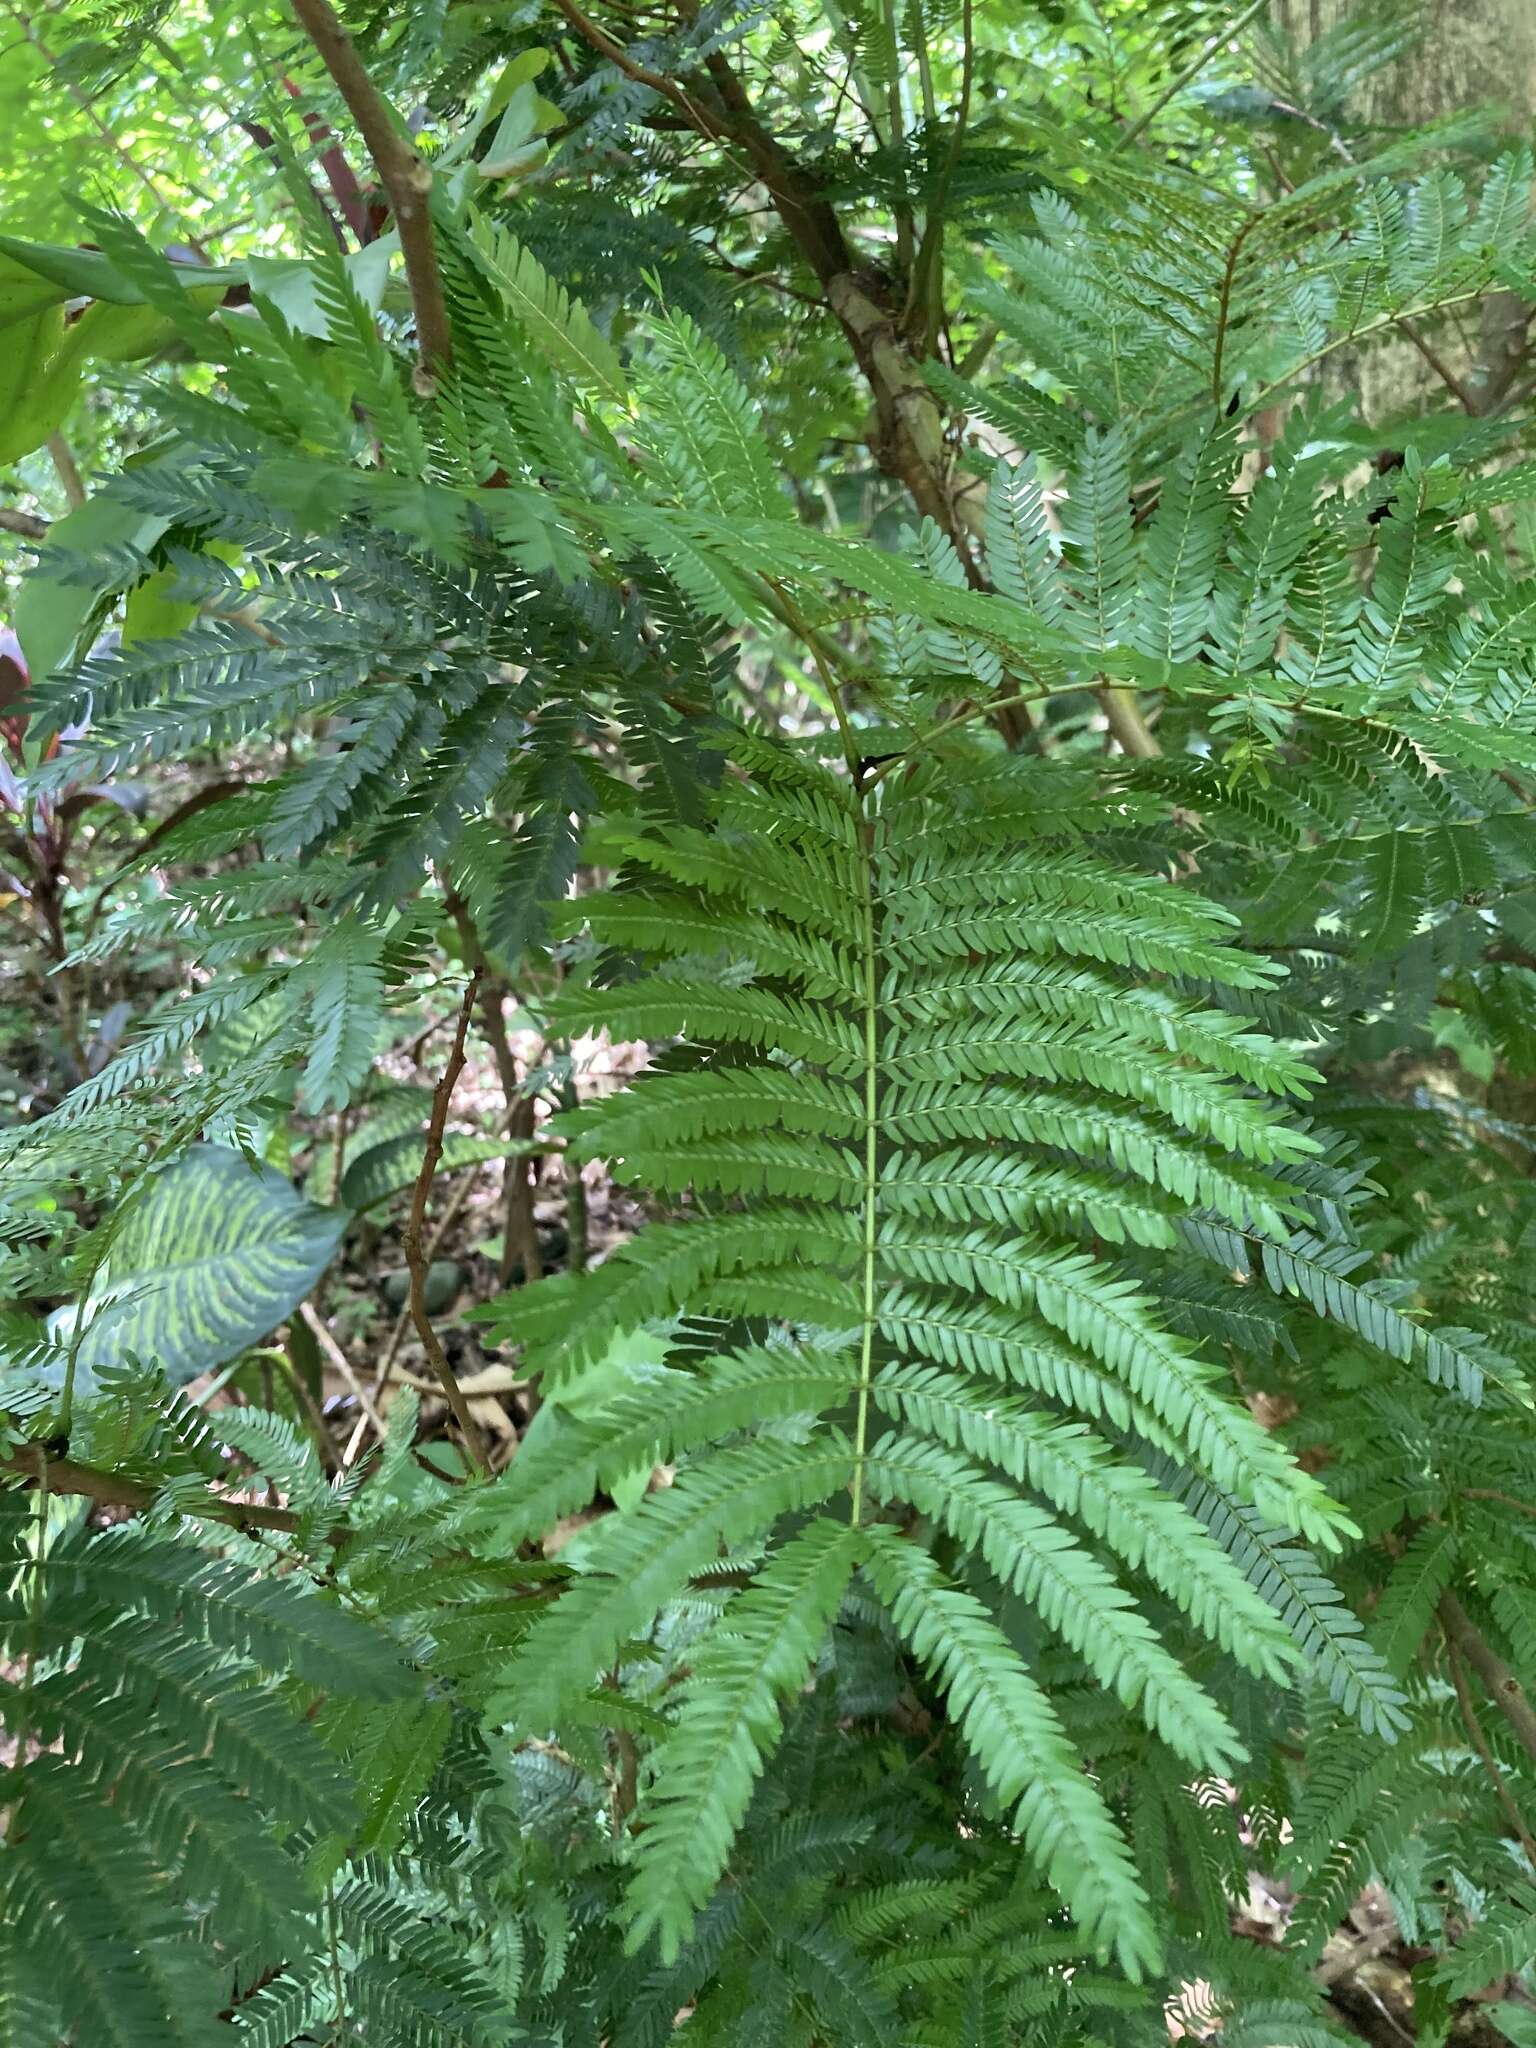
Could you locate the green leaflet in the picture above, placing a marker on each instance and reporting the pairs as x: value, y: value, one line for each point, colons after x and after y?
x: 1013, y: 1730
x: 727, y: 1717
x: 638, y: 1561
x: 558, y: 326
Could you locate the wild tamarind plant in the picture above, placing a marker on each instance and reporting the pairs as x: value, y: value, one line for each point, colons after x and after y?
x: 767, y: 1034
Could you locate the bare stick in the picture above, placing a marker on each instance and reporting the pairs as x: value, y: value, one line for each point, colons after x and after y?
x: 67, y: 471
x: 923, y: 307
x: 317, y: 1328
x: 1458, y: 390
x: 1191, y: 72
x: 387, y: 1368
x: 105, y: 130
x: 696, y: 115
x: 27, y: 524
x: 415, y: 1256
x: 403, y: 171
x: 519, y: 1237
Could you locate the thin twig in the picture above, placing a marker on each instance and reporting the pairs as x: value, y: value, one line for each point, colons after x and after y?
x: 1459, y: 391
x: 107, y: 133
x: 491, y: 1379
x: 976, y: 355
x: 313, y: 1415
x: 1192, y: 71
x: 1508, y: 1500
x: 316, y: 1326
x: 67, y: 470
x: 697, y: 116
x: 921, y: 295
x: 1224, y: 304
x: 387, y: 1368
x: 519, y: 1237
x: 411, y: 1239
x: 403, y: 171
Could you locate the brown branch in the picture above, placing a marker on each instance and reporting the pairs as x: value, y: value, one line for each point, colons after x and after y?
x: 67, y: 470
x: 1504, y: 1688
x: 519, y: 1234
x: 1521, y: 1507
x: 909, y: 439
x: 387, y: 1368
x: 415, y: 1256
x: 697, y: 115
x: 722, y: 112
x: 112, y: 1490
x: 810, y: 219
x: 1224, y: 304
x: 403, y: 171
x: 266, y: 142
x: 351, y: 200
x: 1480, y: 1743
x: 27, y: 524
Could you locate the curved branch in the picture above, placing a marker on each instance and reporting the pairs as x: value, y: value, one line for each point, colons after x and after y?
x: 403, y: 171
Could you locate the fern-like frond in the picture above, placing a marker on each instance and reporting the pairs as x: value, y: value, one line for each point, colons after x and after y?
x: 928, y: 1081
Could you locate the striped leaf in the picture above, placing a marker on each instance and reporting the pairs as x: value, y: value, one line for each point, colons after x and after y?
x: 207, y: 1261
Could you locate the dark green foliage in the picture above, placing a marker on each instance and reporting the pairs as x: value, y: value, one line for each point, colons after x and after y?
x: 130, y: 1853
x: 1058, y: 1445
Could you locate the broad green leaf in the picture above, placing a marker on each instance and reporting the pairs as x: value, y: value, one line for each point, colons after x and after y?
x: 291, y: 284
x: 25, y: 292
x: 77, y: 274
x: 126, y: 334
x: 151, y: 613
x: 39, y: 374
x: 50, y: 613
x: 208, y: 1261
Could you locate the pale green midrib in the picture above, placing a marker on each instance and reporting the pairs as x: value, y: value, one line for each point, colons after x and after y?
x: 871, y: 1135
